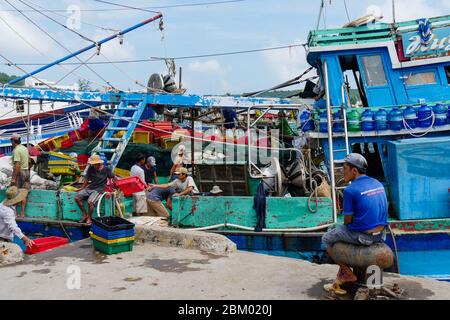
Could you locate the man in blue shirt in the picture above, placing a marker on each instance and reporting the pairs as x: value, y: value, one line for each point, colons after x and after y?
x: 365, y: 213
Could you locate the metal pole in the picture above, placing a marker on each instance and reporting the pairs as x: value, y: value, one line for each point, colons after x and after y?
x: 28, y: 124
x: 320, y: 14
x: 344, y: 117
x: 179, y: 81
x: 97, y: 44
x: 393, y: 11
x: 192, y: 140
x: 330, y: 140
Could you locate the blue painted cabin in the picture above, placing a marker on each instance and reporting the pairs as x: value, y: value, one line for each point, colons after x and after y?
x: 389, y: 67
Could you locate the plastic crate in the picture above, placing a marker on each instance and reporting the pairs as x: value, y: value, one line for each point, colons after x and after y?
x: 130, y: 185
x: 170, y: 142
x: 62, y: 163
x: 121, y: 172
x: 112, y: 223
x: 141, y: 137
x: 47, y: 145
x: 74, y: 135
x: 58, y: 140
x: 111, y: 235
x: 62, y: 170
x: 66, y: 144
x: 112, y: 241
x: 60, y: 156
x: 112, y: 248
x: 47, y: 243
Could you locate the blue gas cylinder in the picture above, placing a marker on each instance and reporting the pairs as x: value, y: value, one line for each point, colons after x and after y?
x: 440, y: 115
x: 395, y: 119
x: 424, y: 116
x: 380, y: 118
x: 323, y: 122
x: 367, y: 122
x: 306, y: 121
x: 410, y: 116
x: 338, y: 125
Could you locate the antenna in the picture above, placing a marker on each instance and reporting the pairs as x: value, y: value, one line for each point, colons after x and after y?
x: 393, y: 11
x: 322, y: 4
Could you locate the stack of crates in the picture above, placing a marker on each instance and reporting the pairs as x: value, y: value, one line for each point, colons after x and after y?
x: 62, y: 164
x: 47, y: 145
x: 112, y: 234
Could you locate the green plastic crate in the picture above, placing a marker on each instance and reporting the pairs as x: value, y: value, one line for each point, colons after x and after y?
x: 113, y: 248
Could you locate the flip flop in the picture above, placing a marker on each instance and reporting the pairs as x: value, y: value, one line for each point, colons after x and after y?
x: 335, y: 287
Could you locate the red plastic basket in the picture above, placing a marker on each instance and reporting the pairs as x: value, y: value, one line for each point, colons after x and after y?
x: 130, y: 185
x: 66, y: 144
x: 47, y: 243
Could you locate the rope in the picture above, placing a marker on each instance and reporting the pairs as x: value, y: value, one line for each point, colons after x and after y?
x: 310, y: 197
x: 407, y: 126
x: 395, y: 248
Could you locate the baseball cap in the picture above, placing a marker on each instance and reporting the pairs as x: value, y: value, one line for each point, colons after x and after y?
x: 151, y: 160
x: 181, y: 170
x: 356, y: 160
x: 15, y: 136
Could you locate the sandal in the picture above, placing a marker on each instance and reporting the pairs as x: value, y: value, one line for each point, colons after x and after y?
x: 335, y: 287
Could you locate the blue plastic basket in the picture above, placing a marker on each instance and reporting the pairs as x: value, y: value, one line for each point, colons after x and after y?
x: 111, y: 235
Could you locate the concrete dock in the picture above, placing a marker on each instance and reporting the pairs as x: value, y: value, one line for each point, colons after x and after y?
x: 159, y: 272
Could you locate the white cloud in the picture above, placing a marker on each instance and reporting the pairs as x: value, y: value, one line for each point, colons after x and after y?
x: 285, y: 64
x: 209, y: 66
x: 412, y: 9
x: 12, y: 45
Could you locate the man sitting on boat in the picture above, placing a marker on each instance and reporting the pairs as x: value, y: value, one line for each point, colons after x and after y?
x: 365, y: 213
x: 150, y: 171
x: 8, y: 224
x: 155, y: 197
x: 183, y: 184
x: 21, y: 174
x: 94, y: 186
x: 139, y: 199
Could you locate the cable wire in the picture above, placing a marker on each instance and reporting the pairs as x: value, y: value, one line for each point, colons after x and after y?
x: 43, y: 54
x: 55, y: 12
x: 59, y: 23
x: 125, y: 8
x: 153, y: 59
x: 60, y: 44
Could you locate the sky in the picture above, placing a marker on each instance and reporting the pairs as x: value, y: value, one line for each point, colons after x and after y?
x: 196, y: 30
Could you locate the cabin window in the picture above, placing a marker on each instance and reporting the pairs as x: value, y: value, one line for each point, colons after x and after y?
x: 447, y: 73
x: 20, y: 108
x: 373, y: 71
x: 420, y: 78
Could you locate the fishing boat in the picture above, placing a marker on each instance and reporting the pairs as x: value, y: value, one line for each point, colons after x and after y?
x: 395, y: 68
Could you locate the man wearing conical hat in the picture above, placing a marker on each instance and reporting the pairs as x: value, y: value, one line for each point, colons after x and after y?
x: 94, y: 186
x: 8, y: 224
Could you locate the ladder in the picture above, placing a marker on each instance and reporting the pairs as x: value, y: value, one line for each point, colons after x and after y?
x: 332, y: 162
x: 125, y: 118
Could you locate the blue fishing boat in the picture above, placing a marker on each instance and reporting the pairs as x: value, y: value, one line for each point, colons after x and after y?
x: 390, y: 66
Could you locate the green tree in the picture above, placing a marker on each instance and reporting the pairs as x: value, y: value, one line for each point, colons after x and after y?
x: 5, y: 78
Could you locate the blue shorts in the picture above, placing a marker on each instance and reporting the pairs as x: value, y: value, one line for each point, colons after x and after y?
x: 342, y: 234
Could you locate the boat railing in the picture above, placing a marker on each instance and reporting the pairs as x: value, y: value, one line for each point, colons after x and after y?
x: 369, y: 33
